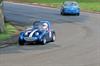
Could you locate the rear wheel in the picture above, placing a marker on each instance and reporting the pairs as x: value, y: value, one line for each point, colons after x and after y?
x: 77, y: 14
x: 62, y: 13
x: 53, y: 37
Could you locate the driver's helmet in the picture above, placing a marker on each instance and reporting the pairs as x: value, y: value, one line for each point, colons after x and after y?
x: 45, y: 26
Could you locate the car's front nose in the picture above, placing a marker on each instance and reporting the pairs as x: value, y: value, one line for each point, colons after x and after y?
x: 32, y: 36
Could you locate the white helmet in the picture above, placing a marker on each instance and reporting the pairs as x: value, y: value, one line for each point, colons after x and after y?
x: 45, y: 25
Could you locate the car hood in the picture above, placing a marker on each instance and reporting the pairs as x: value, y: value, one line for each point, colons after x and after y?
x: 30, y: 33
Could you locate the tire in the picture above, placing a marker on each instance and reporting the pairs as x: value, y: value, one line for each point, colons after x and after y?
x: 62, y: 13
x: 21, y: 42
x: 77, y: 14
x: 44, y: 41
x: 53, y: 37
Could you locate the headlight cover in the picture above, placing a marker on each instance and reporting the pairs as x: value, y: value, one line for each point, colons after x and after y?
x: 37, y: 33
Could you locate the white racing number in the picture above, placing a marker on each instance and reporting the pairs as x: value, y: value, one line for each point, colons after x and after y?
x: 50, y: 34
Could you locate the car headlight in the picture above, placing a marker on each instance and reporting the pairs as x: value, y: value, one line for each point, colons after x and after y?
x: 36, y: 33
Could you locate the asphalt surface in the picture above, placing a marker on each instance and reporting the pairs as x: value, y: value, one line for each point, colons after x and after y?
x: 77, y: 41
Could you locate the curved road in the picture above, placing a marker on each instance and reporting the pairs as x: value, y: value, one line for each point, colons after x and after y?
x: 77, y: 43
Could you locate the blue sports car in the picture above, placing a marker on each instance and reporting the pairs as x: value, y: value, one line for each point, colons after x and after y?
x: 70, y: 7
x: 41, y: 32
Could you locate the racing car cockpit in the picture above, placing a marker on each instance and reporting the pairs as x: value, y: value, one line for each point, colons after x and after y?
x: 43, y: 25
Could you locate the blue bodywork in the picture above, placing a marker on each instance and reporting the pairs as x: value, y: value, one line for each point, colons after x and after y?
x: 70, y: 8
x: 36, y: 33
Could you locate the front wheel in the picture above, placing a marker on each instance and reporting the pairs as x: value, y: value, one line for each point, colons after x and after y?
x: 21, y: 42
x: 44, y: 41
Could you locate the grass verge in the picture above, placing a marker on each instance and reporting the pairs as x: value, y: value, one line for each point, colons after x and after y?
x: 94, y: 6
x: 10, y: 30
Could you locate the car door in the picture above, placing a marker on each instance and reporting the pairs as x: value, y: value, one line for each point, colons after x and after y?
x: 47, y: 36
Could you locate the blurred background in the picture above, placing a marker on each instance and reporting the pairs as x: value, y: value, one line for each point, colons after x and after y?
x: 86, y: 5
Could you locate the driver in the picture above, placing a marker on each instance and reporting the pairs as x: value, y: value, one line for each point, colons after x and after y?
x: 45, y: 26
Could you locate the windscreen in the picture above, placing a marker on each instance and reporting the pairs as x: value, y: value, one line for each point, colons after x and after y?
x: 70, y: 4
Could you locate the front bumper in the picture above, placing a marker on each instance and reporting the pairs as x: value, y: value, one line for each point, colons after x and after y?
x: 30, y: 39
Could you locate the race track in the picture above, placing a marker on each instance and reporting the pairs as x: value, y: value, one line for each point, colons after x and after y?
x: 77, y: 38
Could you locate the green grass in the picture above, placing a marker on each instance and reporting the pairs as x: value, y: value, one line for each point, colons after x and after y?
x: 94, y: 6
x: 87, y: 5
x: 55, y: 1
x: 9, y: 31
